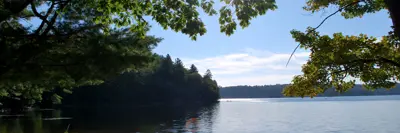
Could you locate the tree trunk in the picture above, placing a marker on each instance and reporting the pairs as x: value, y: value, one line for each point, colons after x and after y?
x: 394, y: 9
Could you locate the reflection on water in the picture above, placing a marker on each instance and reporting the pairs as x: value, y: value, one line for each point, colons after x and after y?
x: 374, y: 114
x: 116, y: 120
x: 31, y: 122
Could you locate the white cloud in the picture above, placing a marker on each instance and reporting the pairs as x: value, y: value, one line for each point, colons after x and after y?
x: 251, y: 67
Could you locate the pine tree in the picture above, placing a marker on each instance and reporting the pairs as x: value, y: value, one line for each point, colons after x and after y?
x: 179, y: 71
x: 166, y: 66
x: 208, y: 74
x: 193, y: 69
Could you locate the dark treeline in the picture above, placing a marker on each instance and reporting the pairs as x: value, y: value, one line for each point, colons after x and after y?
x: 275, y: 91
x: 164, y: 82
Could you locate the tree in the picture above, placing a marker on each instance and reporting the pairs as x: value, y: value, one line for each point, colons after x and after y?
x: 336, y: 61
x: 179, y: 71
x: 211, y: 85
x: 82, y: 42
x: 167, y: 66
x: 64, y: 52
x: 80, y: 63
x: 208, y: 74
x: 357, y: 8
x: 193, y: 69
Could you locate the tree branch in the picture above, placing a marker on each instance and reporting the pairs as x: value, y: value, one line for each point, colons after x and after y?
x: 378, y: 59
x: 27, y: 52
x: 43, y: 18
x: 390, y: 62
x: 53, y: 19
x: 323, y: 21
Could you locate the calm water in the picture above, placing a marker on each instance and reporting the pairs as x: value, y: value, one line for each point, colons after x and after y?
x: 374, y: 114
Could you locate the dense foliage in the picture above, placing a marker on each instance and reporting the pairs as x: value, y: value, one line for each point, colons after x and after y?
x: 182, y: 16
x: 64, y: 44
x: 164, y: 83
x: 85, y: 61
x: 337, y: 60
x: 275, y: 91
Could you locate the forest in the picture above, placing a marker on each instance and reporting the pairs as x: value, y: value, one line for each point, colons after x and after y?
x: 275, y: 91
x: 163, y: 83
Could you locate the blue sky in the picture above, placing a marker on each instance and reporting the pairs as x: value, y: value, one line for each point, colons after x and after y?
x: 257, y: 55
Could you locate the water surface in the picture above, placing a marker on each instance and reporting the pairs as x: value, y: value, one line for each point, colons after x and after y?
x: 371, y: 114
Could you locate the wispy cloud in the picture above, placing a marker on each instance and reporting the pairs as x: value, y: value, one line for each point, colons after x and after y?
x: 251, y: 67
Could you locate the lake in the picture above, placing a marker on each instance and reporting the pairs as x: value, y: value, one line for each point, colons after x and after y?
x: 362, y: 114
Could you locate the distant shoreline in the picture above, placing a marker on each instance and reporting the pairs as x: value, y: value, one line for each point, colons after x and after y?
x: 306, y: 97
x: 275, y: 91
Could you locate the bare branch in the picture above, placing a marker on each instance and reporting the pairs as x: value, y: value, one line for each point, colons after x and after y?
x: 53, y: 19
x: 43, y: 18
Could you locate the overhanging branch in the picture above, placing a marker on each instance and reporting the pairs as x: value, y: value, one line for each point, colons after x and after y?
x: 322, y: 22
x: 27, y: 52
x: 53, y: 19
x: 378, y: 59
x: 389, y: 62
x: 43, y: 18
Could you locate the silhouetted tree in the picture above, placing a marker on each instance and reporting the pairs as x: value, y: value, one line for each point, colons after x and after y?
x: 193, y: 69
x: 208, y: 74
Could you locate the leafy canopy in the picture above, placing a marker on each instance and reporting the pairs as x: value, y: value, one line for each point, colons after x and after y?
x: 337, y: 60
x: 178, y: 15
x: 356, y: 8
